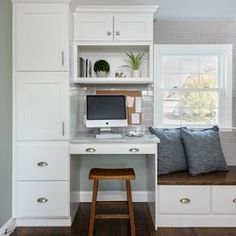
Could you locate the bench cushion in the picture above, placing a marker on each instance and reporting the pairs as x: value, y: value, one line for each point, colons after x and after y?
x: 171, y: 156
x: 203, y: 150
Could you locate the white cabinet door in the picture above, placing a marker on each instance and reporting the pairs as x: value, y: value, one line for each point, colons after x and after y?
x: 41, y: 40
x: 93, y: 27
x: 42, y: 160
x: 133, y: 27
x: 43, y: 199
x: 42, y: 109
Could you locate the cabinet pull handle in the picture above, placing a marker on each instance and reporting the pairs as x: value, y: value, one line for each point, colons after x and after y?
x: 108, y: 33
x: 62, y: 58
x: 90, y: 150
x: 234, y: 200
x: 185, y: 200
x: 42, y: 200
x: 117, y: 33
x: 42, y: 164
x: 63, y: 128
x: 134, y: 150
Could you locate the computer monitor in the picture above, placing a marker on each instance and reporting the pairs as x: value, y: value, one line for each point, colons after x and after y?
x: 106, y: 111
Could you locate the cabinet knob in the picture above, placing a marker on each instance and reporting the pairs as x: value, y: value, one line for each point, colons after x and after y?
x: 134, y: 150
x: 117, y: 33
x: 42, y: 200
x: 234, y: 200
x: 185, y: 200
x: 42, y: 164
x: 108, y: 33
x: 90, y: 150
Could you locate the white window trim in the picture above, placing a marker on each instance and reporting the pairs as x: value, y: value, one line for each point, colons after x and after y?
x: 225, y: 53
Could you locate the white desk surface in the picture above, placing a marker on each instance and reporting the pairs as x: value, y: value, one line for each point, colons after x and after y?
x: 90, y: 138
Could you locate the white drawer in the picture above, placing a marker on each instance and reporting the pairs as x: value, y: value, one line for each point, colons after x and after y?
x: 43, y: 199
x: 43, y: 161
x: 114, y: 149
x: 224, y: 199
x: 179, y: 199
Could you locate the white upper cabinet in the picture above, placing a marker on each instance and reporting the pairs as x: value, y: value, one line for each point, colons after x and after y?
x: 42, y: 110
x: 94, y: 27
x: 114, y: 24
x: 41, y: 37
x: 133, y: 27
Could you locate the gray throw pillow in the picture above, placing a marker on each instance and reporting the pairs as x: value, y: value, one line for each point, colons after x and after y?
x: 171, y: 156
x: 203, y: 150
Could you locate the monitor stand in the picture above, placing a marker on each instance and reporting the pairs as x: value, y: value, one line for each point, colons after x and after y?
x: 105, y: 133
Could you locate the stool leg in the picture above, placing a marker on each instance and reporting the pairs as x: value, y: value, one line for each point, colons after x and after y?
x: 93, y: 208
x: 131, y: 209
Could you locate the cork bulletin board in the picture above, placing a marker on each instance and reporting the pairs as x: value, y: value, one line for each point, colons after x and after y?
x: 133, y: 97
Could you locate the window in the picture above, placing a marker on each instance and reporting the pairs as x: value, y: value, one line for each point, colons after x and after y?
x: 193, y: 85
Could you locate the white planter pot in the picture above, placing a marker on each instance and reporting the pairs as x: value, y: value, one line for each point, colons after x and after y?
x: 136, y: 73
x: 101, y: 74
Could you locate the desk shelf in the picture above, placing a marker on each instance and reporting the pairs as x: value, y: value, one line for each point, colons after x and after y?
x: 113, y: 80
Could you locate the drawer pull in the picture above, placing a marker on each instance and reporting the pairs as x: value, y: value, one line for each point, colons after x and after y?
x: 234, y: 200
x: 108, y: 33
x: 185, y: 200
x: 42, y: 200
x: 42, y: 164
x: 117, y: 33
x: 134, y: 150
x: 90, y: 150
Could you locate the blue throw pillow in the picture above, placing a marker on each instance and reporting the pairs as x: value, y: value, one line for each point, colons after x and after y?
x: 171, y: 156
x: 203, y: 150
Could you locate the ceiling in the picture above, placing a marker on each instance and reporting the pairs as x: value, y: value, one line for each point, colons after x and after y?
x: 183, y: 9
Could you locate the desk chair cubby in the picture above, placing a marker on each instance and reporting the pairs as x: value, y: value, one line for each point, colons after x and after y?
x: 127, y: 175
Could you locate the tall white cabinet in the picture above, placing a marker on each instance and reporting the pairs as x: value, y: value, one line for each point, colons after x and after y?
x: 41, y: 181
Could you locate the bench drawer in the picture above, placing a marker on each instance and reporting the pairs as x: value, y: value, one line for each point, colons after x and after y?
x: 43, y: 199
x: 43, y: 161
x: 224, y: 199
x: 178, y: 199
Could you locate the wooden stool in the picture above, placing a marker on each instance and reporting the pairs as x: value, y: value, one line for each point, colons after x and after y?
x: 111, y: 174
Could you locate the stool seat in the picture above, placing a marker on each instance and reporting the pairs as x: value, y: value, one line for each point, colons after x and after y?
x: 115, y: 174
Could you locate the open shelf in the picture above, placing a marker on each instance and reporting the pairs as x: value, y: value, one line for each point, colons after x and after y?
x: 113, y: 80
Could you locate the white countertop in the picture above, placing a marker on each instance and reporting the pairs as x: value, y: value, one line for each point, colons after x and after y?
x: 90, y: 138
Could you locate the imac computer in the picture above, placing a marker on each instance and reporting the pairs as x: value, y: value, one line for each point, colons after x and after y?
x: 104, y: 112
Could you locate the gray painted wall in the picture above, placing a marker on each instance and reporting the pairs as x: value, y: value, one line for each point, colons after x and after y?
x: 180, y: 8
x: 5, y: 111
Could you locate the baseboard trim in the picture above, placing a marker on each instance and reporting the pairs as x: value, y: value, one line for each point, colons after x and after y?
x: 86, y: 196
x: 196, y: 220
x: 22, y: 222
x: 9, y: 226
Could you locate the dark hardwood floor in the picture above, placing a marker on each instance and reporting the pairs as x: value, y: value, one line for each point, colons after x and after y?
x: 121, y: 228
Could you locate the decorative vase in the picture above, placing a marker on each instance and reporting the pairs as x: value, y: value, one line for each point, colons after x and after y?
x: 136, y: 73
x: 101, y: 74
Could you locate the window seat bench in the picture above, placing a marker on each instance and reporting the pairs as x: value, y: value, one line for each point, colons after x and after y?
x: 214, y: 178
x: 208, y: 200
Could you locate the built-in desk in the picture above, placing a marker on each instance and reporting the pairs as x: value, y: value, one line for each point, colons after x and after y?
x: 88, y: 144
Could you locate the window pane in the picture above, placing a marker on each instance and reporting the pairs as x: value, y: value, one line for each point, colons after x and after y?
x: 208, y: 71
x: 209, y: 99
x: 189, y: 81
x: 189, y: 64
x: 171, y: 116
x: 171, y: 80
x: 209, y: 116
x: 171, y: 65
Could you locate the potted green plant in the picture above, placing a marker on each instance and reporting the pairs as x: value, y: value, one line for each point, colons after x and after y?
x: 101, y: 68
x: 134, y: 61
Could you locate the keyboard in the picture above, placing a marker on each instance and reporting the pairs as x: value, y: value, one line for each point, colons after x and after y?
x: 109, y: 136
